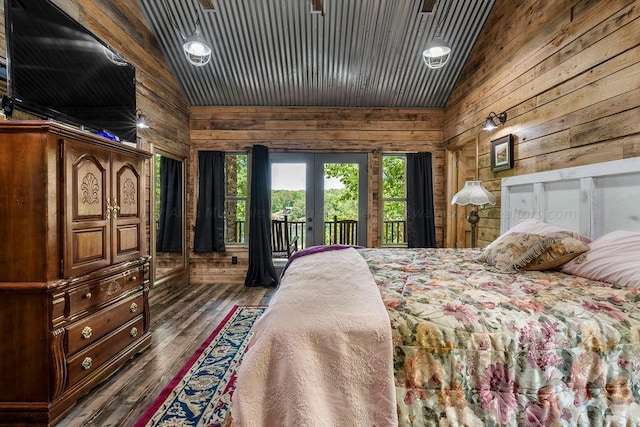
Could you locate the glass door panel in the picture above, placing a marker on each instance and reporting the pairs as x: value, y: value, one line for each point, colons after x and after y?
x: 291, y: 193
x: 340, y: 204
x: 316, y: 190
x: 341, y: 194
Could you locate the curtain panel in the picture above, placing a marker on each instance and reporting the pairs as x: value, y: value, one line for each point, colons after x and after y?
x: 421, y: 228
x: 169, y: 234
x: 261, y: 271
x: 209, y: 229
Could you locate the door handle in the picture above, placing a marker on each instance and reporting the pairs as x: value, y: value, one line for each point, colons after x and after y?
x: 309, y: 228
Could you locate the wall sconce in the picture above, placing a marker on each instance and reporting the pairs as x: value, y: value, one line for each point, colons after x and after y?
x: 141, y: 120
x: 491, y: 124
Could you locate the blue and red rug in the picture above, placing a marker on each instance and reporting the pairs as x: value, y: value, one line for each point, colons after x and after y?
x: 200, y: 394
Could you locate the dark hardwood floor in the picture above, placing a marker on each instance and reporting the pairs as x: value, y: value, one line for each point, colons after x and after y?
x: 181, y: 319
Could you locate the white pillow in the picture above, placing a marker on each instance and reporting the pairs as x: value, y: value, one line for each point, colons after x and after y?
x: 613, y: 258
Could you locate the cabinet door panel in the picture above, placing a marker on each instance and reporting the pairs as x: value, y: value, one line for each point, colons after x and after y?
x: 86, y: 243
x: 128, y: 238
x: 89, y: 178
x: 127, y: 190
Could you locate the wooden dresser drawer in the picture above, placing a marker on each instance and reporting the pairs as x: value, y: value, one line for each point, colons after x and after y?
x: 97, y: 292
x: 90, y: 329
x: 90, y: 359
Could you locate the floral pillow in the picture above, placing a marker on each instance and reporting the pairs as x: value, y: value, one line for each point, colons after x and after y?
x: 563, y: 250
x: 536, y: 226
x: 513, y: 252
x: 613, y: 258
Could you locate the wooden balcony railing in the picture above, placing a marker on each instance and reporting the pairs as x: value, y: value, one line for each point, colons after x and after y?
x: 393, y: 233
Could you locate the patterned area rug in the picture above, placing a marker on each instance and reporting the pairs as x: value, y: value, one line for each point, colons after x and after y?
x: 200, y: 393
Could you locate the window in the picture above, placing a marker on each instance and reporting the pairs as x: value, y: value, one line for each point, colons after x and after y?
x: 235, y: 209
x: 394, y: 200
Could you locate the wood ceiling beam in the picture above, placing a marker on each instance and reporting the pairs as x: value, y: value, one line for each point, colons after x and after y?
x: 207, y: 4
x: 317, y: 6
x: 427, y: 5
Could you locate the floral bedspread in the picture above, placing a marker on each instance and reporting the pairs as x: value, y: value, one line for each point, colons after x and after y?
x: 475, y: 347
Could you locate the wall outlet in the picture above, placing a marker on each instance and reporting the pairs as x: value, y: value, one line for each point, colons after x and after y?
x: 234, y: 260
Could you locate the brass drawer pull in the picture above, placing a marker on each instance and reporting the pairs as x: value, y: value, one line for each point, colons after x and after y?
x: 134, y: 332
x: 115, y: 208
x: 134, y: 307
x: 112, y: 209
x: 87, y: 295
x: 86, y: 332
x: 133, y: 278
x: 108, y: 211
x: 86, y: 363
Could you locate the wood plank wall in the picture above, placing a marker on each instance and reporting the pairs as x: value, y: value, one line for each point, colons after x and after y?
x: 568, y: 75
x: 121, y: 24
x: 322, y: 130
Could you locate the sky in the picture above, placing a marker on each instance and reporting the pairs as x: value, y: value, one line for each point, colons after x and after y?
x: 292, y: 176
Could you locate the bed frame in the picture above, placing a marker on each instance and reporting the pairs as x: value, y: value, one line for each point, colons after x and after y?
x: 593, y: 199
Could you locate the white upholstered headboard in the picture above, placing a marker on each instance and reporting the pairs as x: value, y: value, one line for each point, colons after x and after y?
x: 593, y: 199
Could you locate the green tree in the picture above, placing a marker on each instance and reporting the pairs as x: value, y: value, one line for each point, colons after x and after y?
x: 393, y: 177
x: 393, y: 184
x: 241, y: 166
x: 292, y: 200
x: 342, y: 202
x: 393, y: 187
x: 348, y: 174
x: 336, y: 204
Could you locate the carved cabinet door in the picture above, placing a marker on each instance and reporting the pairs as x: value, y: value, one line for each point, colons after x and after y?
x: 87, y: 204
x: 127, y: 234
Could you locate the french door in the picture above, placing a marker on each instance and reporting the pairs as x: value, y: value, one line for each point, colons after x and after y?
x: 313, y: 190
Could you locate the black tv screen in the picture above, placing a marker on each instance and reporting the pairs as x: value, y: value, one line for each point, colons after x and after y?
x: 58, y: 70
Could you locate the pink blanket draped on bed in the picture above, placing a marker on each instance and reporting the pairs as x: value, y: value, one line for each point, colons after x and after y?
x: 321, y: 358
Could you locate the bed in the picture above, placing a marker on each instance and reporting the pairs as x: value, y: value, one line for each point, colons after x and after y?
x: 542, y: 327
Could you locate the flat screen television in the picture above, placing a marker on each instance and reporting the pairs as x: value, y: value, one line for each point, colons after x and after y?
x: 60, y: 71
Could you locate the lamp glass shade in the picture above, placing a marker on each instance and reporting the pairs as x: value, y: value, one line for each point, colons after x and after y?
x: 437, y: 53
x: 473, y: 193
x: 489, y: 124
x: 196, y: 49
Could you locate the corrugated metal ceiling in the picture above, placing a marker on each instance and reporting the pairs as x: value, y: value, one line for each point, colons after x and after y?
x: 359, y: 53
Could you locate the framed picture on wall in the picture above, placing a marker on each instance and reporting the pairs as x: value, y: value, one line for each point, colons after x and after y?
x: 502, y: 153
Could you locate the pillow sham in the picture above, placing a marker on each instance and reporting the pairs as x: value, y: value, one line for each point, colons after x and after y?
x: 534, y: 226
x: 513, y: 252
x: 562, y: 250
x: 537, y: 226
x: 613, y: 258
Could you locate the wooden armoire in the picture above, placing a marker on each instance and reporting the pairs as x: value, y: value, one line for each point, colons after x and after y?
x: 74, y: 268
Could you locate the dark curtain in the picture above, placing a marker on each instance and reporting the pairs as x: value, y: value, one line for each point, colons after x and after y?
x: 169, y: 235
x: 261, y: 271
x: 209, y: 230
x: 421, y: 228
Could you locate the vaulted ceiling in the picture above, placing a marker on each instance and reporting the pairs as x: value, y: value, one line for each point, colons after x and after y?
x: 357, y: 53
